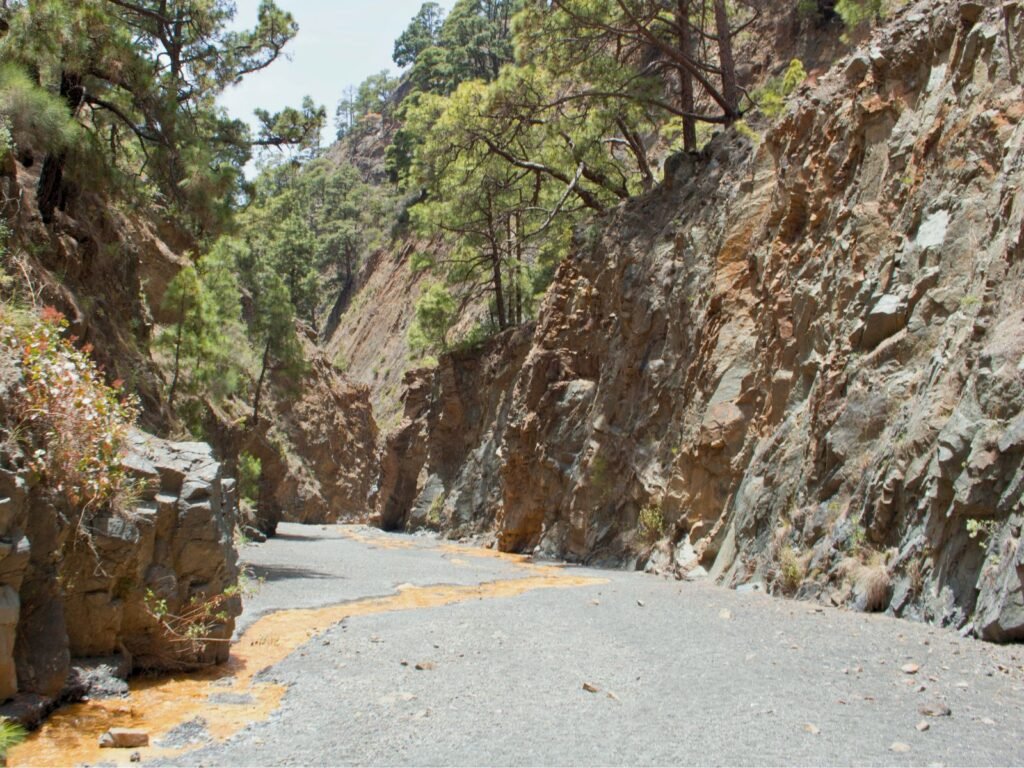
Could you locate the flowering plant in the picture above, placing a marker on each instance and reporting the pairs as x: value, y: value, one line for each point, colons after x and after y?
x: 74, y: 424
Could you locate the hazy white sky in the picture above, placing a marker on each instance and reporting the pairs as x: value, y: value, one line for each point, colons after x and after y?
x: 340, y: 43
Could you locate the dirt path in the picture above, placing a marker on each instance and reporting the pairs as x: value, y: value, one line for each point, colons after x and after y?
x: 516, y: 664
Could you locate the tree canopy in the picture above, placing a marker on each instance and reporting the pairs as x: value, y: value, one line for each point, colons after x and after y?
x: 141, y: 78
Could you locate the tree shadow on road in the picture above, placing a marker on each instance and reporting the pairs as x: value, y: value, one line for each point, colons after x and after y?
x: 285, y: 572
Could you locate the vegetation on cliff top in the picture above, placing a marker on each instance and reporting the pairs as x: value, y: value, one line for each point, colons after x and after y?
x: 512, y: 123
x: 70, y: 426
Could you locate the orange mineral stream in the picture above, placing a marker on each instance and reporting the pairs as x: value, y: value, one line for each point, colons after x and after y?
x: 229, y: 697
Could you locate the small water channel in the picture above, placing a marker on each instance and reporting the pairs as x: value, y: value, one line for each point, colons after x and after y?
x: 185, y: 711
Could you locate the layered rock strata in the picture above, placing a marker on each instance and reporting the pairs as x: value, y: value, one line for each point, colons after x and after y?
x: 87, y: 598
x: 800, y: 361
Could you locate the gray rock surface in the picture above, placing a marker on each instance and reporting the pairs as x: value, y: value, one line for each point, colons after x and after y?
x: 68, y: 593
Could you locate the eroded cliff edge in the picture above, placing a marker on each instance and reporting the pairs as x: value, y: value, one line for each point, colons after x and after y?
x: 802, y: 358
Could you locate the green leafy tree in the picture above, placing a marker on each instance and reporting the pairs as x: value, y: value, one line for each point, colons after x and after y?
x: 435, y: 314
x: 142, y: 77
x: 673, y: 58
x: 372, y: 97
x: 311, y: 224
x: 184, y: 297
x: 207, y: 341
x: 422, y: 33
x: 472, y: 43
x: 505, y: 179
x: 273, y: 330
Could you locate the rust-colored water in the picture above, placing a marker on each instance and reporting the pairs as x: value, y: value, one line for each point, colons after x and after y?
x: 229, y: 697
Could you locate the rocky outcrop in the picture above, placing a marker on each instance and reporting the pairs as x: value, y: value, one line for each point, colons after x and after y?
x: 803, y: 358
x: 145, y: 572
x: 81, y: 592
x: 438, y: 469
x: 316, y: 442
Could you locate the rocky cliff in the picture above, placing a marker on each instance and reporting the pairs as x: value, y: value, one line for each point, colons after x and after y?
x: 88, y: 599
x: 107, y: 270
x: 316, y: 446
x: 798, y: 362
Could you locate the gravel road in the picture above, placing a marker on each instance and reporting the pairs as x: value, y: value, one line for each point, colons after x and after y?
x: 631, y: 670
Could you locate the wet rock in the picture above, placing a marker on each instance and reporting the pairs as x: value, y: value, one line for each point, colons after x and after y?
x: 28, y: 709
x: 124, y: 738
x: 99, y: 678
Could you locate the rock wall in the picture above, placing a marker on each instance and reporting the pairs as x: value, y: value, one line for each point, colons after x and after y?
x: 316, y: 440
x: 803, y: 358
x: 79, y: 591
x: 438, y: 469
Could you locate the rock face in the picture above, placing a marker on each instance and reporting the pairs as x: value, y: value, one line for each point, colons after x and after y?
x: 804, y: 357
x: 438, y: 469
x: 174, y: 546
x: 316, y: 445
x: 120, y: 587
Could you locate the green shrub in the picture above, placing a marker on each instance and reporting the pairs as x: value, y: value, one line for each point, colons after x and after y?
x: 807, y: 7
x: 435, y: 314
x: 651, y: 523
x: 31, y: 112
x: 791, y: 570
x: 11, y: 735
x: 250, y: 468
x: 771, y: 97
x: 856, y: 12
x: 436, y: 511
x: 982, y: 530
x: 73, y: 424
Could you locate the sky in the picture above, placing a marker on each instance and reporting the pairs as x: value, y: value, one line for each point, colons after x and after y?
x: 340, y: 43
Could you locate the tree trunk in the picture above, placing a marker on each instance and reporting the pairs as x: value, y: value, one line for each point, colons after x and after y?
x: 517, y: 276
x: 259, y: 383
x: 499, y: 291
x: 177, y: 352
x: 730, y: 87
x: 686, y: 98
x: 51, y: 194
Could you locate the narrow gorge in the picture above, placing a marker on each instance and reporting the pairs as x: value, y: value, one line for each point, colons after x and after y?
x: 746, y: 315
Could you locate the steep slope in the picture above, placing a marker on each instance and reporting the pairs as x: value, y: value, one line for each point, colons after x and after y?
x: 369, y: 338
x: 804, y: 358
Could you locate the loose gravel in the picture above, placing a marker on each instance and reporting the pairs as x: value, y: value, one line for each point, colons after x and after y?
x: 634, y: 671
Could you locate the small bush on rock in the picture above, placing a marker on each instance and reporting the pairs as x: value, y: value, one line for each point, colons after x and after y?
x: 651, y: 524
x: 188, y: 631
x: 72, y: 425
x: 250, y: 469
x: 792, y: 570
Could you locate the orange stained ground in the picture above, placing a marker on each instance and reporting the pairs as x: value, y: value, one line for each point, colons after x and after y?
x: 158, y: 705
